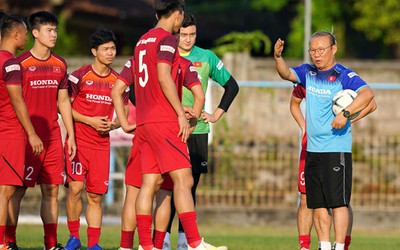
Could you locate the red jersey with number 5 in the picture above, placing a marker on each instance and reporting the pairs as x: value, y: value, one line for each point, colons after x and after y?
x: 156, y: 46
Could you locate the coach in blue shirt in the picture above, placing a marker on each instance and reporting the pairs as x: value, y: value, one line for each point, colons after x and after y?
x: 328, y: 170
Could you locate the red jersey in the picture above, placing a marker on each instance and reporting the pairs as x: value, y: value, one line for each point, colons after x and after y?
x: 299, y: 91
x: 10, y: 74
x: 41, y: 80
x: 156, y: 46
x: 187, y: 75
x: 92, y: 97
x: 127, y: 74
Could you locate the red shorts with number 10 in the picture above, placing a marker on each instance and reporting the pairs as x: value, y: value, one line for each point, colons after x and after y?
x: 301, y: 182
x: 133, y: 172
x: 91, y: 165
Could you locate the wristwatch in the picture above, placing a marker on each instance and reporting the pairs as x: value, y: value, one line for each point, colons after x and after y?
x: 346, y: 113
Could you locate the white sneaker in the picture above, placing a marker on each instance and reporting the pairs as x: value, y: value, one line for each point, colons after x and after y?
x: 211, y: 247
x: 205, y: 246
x: 166, y: 246
x: 183, y: 246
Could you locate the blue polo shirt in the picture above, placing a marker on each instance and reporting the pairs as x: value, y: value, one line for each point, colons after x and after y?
x: 320, y: 87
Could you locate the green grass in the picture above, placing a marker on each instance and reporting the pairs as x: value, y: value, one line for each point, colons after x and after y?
x: 236, y: 238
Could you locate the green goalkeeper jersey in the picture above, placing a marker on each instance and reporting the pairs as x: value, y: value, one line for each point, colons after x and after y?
x: 208, y: 65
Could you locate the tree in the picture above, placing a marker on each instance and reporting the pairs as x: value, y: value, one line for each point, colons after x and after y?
x: 379, y: 19
x: 255, y: 41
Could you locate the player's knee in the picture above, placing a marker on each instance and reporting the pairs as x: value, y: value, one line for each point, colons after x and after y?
x: 94, y: 198
x: 6, y: 192
x: 50, y: 191
x: 75, y: 191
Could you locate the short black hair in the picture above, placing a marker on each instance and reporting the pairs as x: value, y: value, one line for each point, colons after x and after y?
x: 2, y: 14
x: 101, y: 36
x: 9, y: 23
x: 189, y: 20
x: 167, y: 7
x: 325, y: 33
x: 40, y: 18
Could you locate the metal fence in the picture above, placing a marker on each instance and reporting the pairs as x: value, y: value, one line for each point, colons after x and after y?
x: 264, y: 174
x: 261, y: 171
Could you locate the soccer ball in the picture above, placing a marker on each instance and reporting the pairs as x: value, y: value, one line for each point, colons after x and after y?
x: 342, y: 99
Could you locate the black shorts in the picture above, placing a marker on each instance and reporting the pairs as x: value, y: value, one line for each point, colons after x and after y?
x: 328, y: 179
x: 198, y: 151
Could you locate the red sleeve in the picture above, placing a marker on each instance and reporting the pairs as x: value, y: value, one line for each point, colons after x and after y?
x: 191, y: 77
x: 73, y: 81
x: 125, y: 97
x: 12, y: 72
x: 166, y: 49
x: 64, y: 83
x: 299, y: 91
x: 128, y: 72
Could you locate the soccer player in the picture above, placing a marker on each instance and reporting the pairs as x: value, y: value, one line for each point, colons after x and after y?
x: 328, y: 172
x: 304, y: 214
x: 92, y: 110
x: 16, y: 126
x: 208, y: 66
x: 162, y: 127
x: 45, y: 91
x: 133, y: 176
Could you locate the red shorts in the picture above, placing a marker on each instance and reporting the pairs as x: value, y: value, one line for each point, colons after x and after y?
x: 12, y: 162
x: 161, y: 150
x: 133, y: 172
x: 92, y: 165
x: 301, y: 181
x: 46, y: 168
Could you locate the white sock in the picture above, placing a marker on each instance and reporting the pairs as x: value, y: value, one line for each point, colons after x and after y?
x: 166, y: 238
x: 325, y: 245
x: 181, y: 238
x: 122, y: 248
x: 339, y: 246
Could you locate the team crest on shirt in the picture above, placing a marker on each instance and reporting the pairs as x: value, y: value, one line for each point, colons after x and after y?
x: 331, y: 78
x: 197, y: 64
x: 32, y: 68
x: 89, y: 82
x: 56, y: 69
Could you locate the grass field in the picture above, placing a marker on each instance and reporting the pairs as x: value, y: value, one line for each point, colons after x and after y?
x: 236, y: 238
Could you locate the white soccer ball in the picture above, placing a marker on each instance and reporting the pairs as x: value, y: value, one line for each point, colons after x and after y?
x: 342, y: 99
